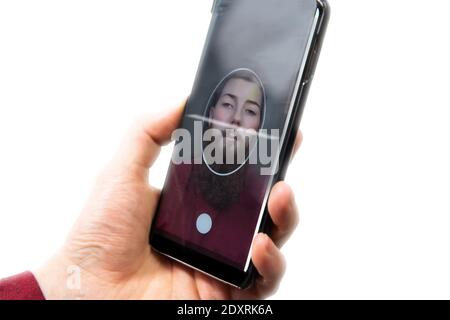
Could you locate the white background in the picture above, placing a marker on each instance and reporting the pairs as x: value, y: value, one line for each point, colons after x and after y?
x: 372, y: 178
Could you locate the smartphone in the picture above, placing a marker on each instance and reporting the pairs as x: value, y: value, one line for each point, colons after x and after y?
x: 237, y: 133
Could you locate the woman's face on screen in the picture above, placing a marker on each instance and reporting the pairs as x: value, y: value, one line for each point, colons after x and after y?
x: 239, y: 105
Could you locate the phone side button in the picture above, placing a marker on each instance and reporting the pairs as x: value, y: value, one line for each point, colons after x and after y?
x: 311, y: 66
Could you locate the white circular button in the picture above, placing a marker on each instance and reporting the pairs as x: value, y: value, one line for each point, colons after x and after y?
x: 204, y: 223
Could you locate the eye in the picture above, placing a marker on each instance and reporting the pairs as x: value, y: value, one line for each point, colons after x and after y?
x: 250, y: 112
x: 227, y: 105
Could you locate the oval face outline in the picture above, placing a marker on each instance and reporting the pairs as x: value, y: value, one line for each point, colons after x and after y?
x: 208, y: 107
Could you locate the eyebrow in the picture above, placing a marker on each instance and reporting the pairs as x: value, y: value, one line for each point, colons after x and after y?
x: 232, y: 96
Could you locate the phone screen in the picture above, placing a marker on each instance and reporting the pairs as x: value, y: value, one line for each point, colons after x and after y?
x: 234, y: 124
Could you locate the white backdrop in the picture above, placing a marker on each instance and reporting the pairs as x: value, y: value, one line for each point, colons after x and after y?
x: 372, y: 178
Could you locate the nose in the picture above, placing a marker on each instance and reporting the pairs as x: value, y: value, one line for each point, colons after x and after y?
x: 236, y: 118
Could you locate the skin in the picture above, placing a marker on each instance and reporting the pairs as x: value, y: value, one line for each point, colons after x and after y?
x: 239, y: 105
x: 108, y: 245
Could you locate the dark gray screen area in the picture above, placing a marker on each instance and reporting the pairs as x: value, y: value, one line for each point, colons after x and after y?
x: 266, y: 36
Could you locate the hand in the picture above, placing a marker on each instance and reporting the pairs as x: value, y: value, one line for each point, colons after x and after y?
x: 107, y: 255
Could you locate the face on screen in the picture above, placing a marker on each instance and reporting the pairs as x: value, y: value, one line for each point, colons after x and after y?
x: 236, y: 110
x: 239, y: 106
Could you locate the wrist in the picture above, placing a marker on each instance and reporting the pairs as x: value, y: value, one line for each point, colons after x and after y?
x: 59, y: 279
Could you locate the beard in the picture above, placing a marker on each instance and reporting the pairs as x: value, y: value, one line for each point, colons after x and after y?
x: 221, y: 192
x: 218, y: 191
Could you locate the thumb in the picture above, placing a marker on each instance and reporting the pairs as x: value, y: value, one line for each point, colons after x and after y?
x: 142, y: 144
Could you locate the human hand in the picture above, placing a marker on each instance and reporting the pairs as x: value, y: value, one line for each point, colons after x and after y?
x: 107, y: 249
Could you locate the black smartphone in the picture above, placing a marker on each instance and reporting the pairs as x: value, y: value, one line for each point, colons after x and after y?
x: 237, y: 133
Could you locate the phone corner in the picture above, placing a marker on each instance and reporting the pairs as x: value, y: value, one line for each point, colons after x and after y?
x: 249, y: 280
x: 324, y: 7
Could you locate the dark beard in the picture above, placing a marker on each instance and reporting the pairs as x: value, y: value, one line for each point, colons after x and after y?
x: 219, y: 191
